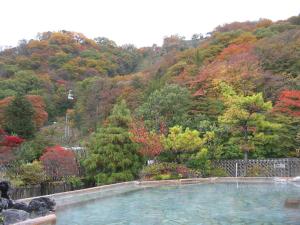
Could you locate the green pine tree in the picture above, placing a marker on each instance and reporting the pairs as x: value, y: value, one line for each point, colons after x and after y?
x: 112, y: 156
x: 19, y: 117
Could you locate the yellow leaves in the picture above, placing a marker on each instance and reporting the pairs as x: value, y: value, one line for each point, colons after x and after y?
x: 35, y: 44
x: 179, y: 140
x: 244, y: 38
x: 262, y: 23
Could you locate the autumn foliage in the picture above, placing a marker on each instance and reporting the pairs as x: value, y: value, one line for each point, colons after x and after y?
x: 289, y: 102
x: 236, y: 64
x: 40, y: 116
x: 59, y: 162
x: 151, y: 145
x: 11, y: 141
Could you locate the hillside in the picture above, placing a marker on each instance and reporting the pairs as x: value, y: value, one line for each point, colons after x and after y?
x: 242, y: 60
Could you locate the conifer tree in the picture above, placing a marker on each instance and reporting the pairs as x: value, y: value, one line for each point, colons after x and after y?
x: 246, y: 115
x: 112, y: 156
x: 19, y: 117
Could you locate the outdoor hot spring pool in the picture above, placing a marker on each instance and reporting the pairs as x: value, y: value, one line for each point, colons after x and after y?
x: 209, y: 204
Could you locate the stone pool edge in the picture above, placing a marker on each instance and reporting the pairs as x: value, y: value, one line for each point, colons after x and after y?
x: 44, y: 220
x: 51, y: 219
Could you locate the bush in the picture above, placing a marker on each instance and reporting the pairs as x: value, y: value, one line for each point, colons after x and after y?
x: 59, y: 163
x: 25, y: 174
x: 32, y: 173
x: 162, y: 171
x: 218, y: 172
x: 201, y: 161
x: 74, y: 181
x: 33, y: 149
x: 11, y: 141
x: 256, y: 171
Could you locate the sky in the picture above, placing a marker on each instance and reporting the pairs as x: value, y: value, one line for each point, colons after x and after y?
x: 138, y: 22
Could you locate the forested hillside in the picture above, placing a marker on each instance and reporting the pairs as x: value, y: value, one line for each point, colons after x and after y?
x: 232, y: 93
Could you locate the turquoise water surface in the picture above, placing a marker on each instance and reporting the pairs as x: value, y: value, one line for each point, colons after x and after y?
x: 207, y: 204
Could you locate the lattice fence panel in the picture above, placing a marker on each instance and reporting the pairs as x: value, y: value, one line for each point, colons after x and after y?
x: 286, y: 167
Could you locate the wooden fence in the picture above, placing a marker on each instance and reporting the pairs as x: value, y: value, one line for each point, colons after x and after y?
x: 41, y: 189
x: 284, y: 167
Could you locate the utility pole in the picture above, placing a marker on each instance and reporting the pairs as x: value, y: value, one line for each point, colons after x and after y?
x: 67, y: 127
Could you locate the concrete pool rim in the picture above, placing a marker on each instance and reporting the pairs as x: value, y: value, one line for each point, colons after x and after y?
x: 51, y: 219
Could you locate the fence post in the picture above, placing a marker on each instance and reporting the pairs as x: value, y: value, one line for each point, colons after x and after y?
x: 290, y: 168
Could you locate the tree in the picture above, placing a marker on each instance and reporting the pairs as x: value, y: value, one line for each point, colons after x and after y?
x: 168, y: 105
x: 150, y: 144
x: 179, y: 140
x: 246, y: 117
x: 33, y: 149
x: 59, y: 162
x: 289, y: 103
x: 237, y: 65
x: 40, y: 115
x: 112, y: 155
x: 180, y: 145
x: 280, y: 53
x: 19, y: 116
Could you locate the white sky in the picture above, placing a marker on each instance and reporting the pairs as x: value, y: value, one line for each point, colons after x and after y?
x: 140, y: 22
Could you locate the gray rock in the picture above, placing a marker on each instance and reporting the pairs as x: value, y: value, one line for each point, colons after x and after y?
x: 4, y: 204
x: 12, y: 216
x: 4, y: 188
x: 38, y: 208
x: 21, y: 206
x: 41, y: 206
x: 50, y: 203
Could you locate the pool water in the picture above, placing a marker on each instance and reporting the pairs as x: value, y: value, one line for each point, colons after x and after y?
x: 207, y: 204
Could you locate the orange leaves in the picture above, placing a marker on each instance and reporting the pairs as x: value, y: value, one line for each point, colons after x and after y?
x: 38, y: 105
x: 150, y: 142
x: 288, y: 102
x: 236, y: 64
x: 234, y: 49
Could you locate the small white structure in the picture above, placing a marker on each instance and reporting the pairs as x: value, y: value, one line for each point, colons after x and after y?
x: 150, y: 162
x: 70, y: 95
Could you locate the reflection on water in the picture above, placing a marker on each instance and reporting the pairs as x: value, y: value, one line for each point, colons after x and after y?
x: 191, y: 205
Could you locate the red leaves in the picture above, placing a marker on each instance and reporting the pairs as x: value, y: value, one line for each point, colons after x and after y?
x: 150, y: 142
x: 11, y: 141
x: 59, y: 162
x: 288, y: 102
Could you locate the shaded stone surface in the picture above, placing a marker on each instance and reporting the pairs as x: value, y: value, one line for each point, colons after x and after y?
x: 21, y: 206
x: 4, y: 204
x: 4, y: 188
x: 12, y: 216
x: 41, y: 206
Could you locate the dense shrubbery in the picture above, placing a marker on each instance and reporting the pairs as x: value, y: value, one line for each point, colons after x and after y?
x: 165, y: 171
